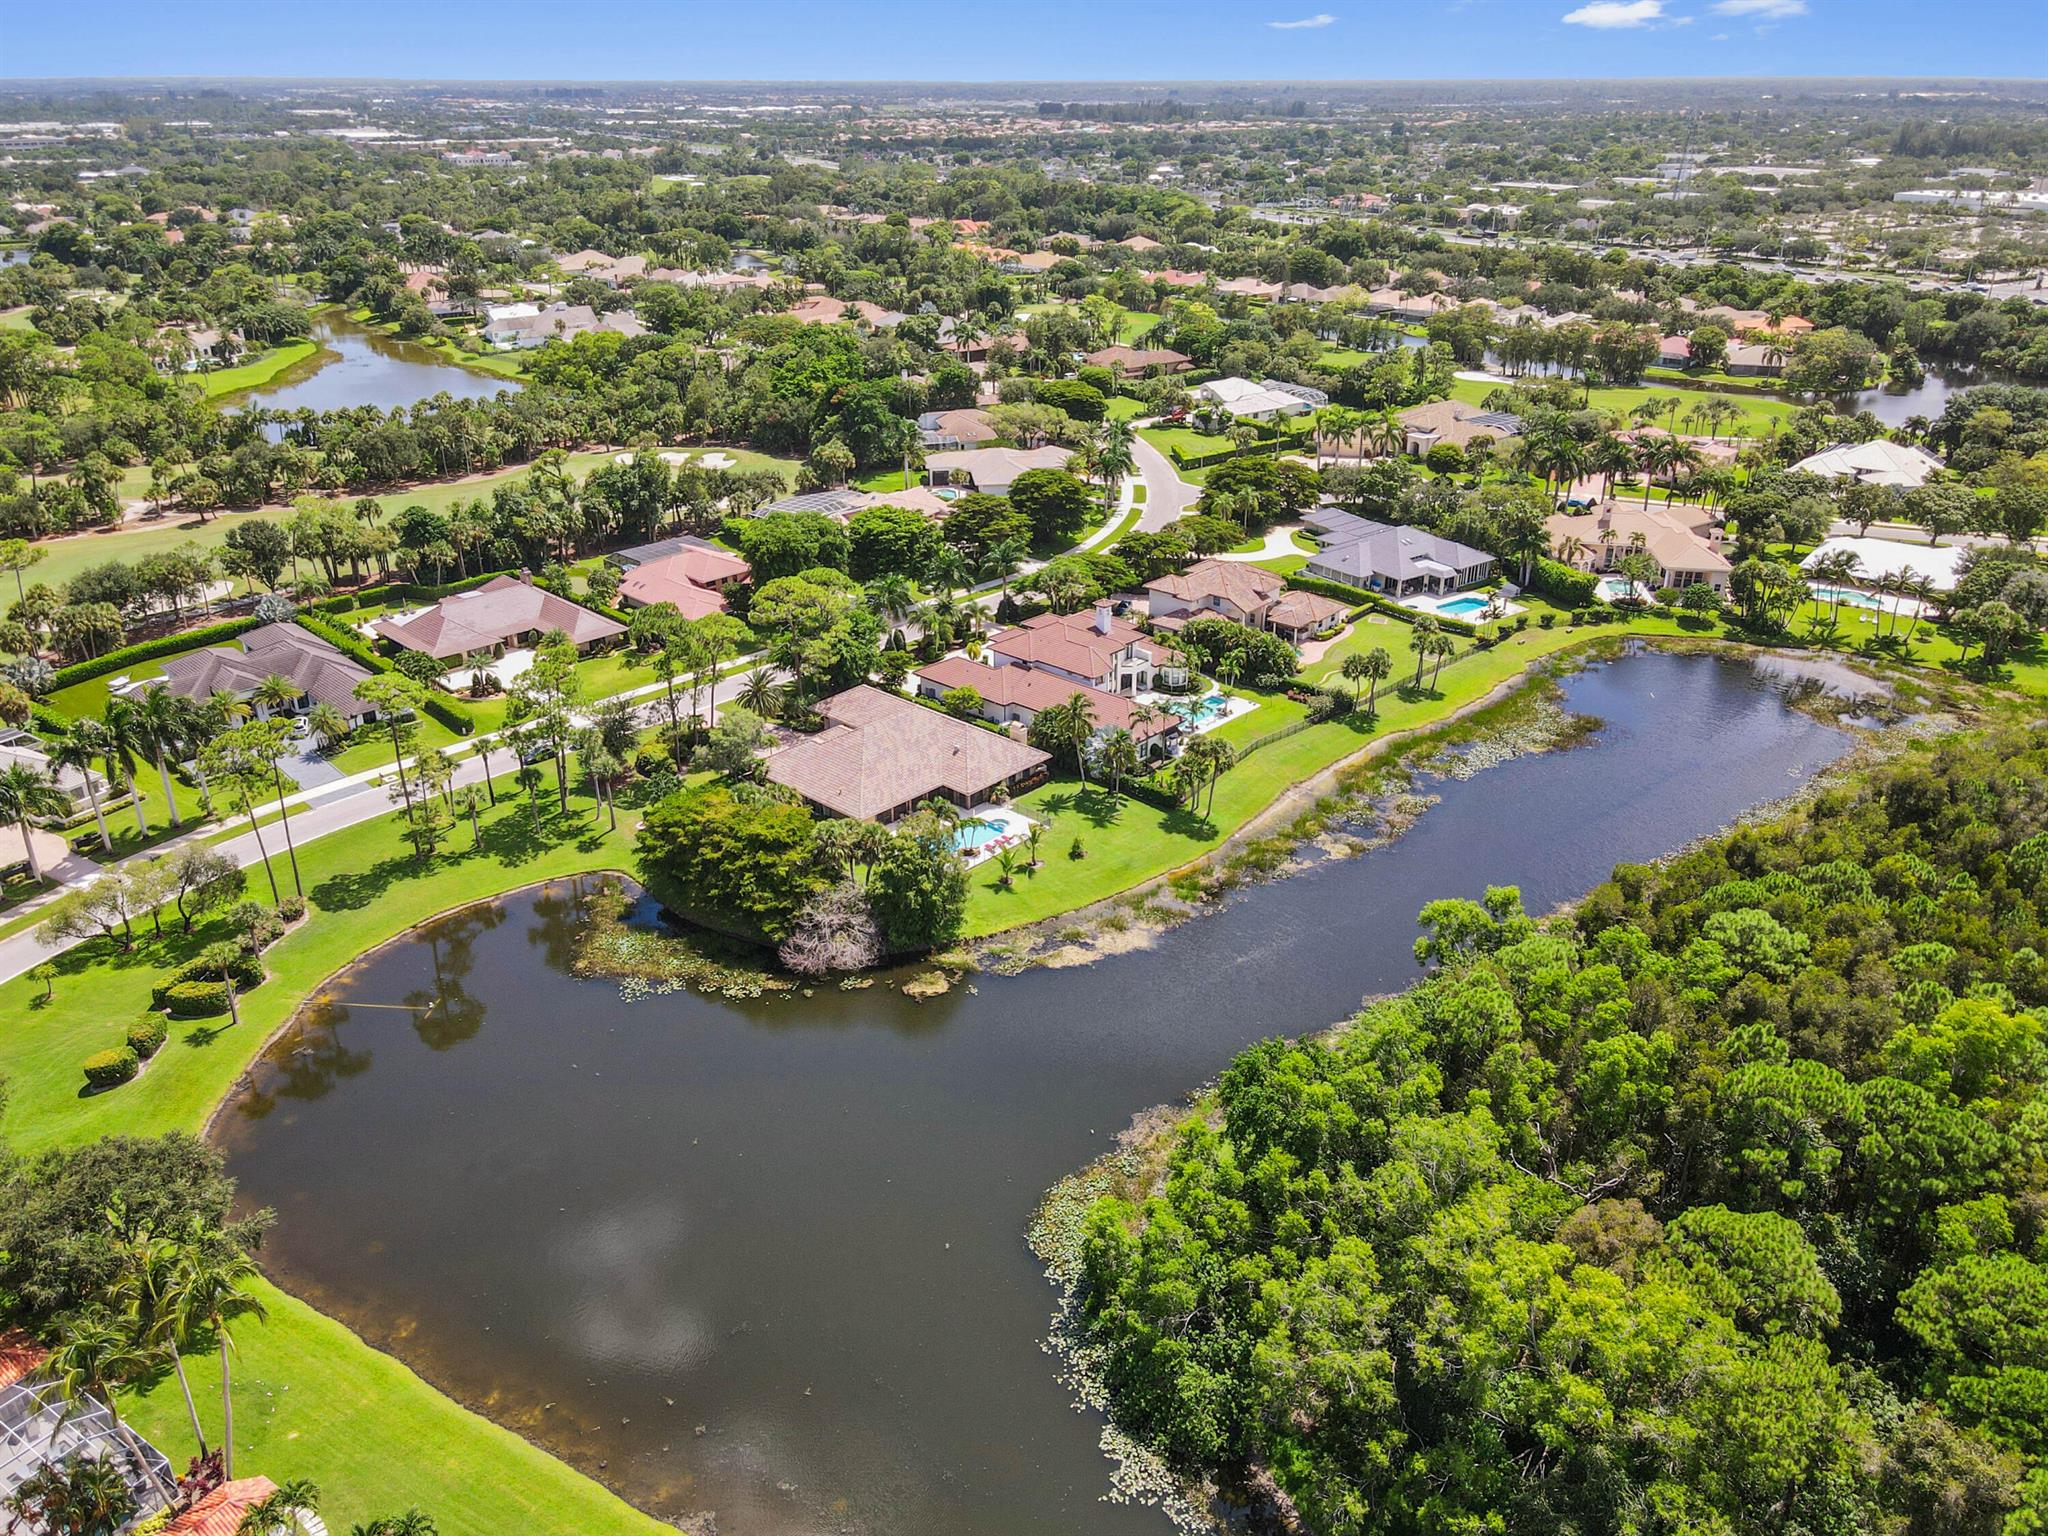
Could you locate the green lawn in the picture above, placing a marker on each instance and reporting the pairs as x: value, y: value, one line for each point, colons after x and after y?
x: 1757, y: 411
x: 1125, y: 408
x: 258, y: 369
x: 1128, y: 842
x: 312, y: 1399
x: 17, y: 318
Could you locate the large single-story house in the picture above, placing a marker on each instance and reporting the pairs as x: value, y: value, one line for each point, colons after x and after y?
x: 1123, y: 360
x: 323, y: 674
x: 558, y: 322
x: 696, y: 578
x: 993, y: 470
x: 881, y: 755
x: 1246, y: 594
x: 1877, y: 462
x: 840, y: 505
x: 1453, y: 421
x: 1385, y: 557
x: 505, y: 613
x: 967, y: 427
x: 1095, y: 648
x: 823, y: 309
x: 1940, y: 564
x: 1686, y: 544
x: 1014, y: 695
x: 27, y: 751
x: 1269, y: 400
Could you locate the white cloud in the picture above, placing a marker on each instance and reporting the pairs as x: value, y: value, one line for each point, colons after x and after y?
x: 1771, y: 9
x: 1608, y: 15
x: 1320, y: 19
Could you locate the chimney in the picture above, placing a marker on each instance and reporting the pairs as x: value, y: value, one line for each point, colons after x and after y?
x: 526, y: 576
x: 1102, y: 618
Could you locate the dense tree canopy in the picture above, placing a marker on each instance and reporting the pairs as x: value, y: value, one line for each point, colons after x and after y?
x: 1718, y: 1206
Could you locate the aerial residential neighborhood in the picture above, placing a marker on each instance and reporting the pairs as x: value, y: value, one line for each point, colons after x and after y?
x: 771, y: 770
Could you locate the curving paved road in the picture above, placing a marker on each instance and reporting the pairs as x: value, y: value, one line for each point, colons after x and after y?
x: 1167, y: 496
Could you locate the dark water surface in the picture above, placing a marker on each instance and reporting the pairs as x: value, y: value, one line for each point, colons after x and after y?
x: 360, y: 366
x: 802, y: 1218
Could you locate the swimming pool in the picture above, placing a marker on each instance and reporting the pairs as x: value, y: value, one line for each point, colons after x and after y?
x: 987, y: 829
x: 1848, y: 597
x: 1614, y: 589
x: 1463, y: 607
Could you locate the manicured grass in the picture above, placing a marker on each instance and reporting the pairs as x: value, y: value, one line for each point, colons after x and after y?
x: 1284, y: 565
x: 1129, y: 842
x: 888, y: 480
x: 312, y: 1399
x: 1757, y: 411
x: 17, y: 318
x: 259, y: 369
x: 1125, y: 408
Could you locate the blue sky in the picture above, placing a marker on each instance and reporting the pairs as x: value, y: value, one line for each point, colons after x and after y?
x: 1042, y: 40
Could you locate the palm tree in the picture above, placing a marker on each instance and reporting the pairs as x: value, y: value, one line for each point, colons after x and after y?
x: 278, y: 1512
x: 1118, y: 759
x: 24, y: 795
x: 122, y: 750
x: 207, y: 718
x: 95, y: 1358
x: 759, y: 693
x: 80, y: 749
x: 1421, y: 640
x: 1074, y: 723
x: 1000, y: 560
x: 85, y: 1496
x: 329, y: 724
x: 1205, y: 759
x: 278, y: 693
x: 147, y: 1289
x: 1379, y: 666
x: 948, y: 570
x: 214, y: 1297
x: 891, y: 597
x: 160, y: 717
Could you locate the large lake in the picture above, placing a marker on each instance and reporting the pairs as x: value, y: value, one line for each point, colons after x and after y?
x: 799, y: 1223
x: 360, y: 366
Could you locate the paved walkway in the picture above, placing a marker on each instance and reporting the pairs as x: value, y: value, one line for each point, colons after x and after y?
x: 1167, y: 496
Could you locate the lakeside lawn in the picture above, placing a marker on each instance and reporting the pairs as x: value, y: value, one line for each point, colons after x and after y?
x: 1130, y: 841
x: 257, y: 370
x: 1758, y: 412
x: 311, y: 1399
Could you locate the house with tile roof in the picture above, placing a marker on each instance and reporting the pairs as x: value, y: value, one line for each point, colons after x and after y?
x: 882, y: 755
x: 1396, y: 560
x: 1684, y: 541
x: 1453, y: 421
x: 696, y: 581
x: 992, y: 470
x: 504, y: 613
x: 1014, y: 695
x: 1094, y: 648
x: 1245, y: 594
x: 1140, y: 361
x: 323, y: 674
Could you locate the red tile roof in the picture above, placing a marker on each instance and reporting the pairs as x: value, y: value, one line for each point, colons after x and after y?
x: 496, y: 611
x: 1028, y: 688
x: 219, y: 1512
x: 666, y: 581
x: 882, y: 751
x: 20, y: 1356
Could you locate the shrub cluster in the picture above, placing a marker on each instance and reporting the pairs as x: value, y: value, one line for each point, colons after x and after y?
x: 110, y: 1069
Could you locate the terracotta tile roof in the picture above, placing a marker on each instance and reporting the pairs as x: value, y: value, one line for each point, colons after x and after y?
x: 1136, y: 358
x: 1299, y: 610
x: 1070, y: 642
x: 1246, y: 586
x: 219, y: 1512
x: 1022, y: 687
x: 668, y: 581
x: 883, y: 751
x: 20, y: 1356
x: 497, y: 611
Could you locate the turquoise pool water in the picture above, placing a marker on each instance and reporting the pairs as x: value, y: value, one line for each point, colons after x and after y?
x: 1199, y: 712
x: 1848, y: 597
x: 1463, y: 607
x: 973, y: 835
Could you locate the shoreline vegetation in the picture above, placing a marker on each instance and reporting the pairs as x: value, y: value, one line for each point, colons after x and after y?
x: 1138, y: 1164
x: 297, y: 1372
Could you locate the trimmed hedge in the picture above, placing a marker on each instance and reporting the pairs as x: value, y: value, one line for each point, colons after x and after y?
x: 248, y: 974
x: 194, y: 999
x: 1564, y: 585
x: 1273, y: 446
x: 150, y: 650
x: 1359, y: 596
x: 402, y: 591
x: 147, y: 1034
x: 110, y: 1069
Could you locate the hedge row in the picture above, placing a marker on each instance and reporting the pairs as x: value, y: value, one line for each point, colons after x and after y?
x: 1361, y: 598
x: 150, y: 650
x: 248, y: 975
x: 110, y: 1069
x: 1274, y: 446
x: 1563, y: 585
x: 403, y: 592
